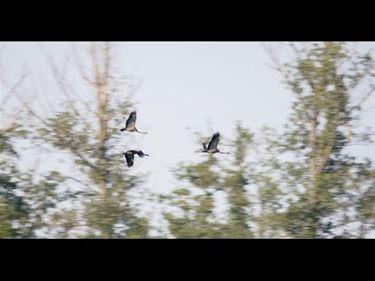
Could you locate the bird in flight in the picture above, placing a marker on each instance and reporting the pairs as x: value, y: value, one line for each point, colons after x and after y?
x: 212, y: 145
x: 130, y: 124
x: 129, y: 156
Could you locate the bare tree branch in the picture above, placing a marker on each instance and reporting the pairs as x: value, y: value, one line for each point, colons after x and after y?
x: 14, y: 88
x: 366, y: 95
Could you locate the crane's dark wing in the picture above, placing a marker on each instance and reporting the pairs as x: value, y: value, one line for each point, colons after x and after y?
x: 214, y: 141
x: 129, y: 156
x: 141, y: 154
x: 130, y: 123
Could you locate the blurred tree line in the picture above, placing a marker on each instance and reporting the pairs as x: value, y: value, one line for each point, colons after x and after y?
x: 301, y: 182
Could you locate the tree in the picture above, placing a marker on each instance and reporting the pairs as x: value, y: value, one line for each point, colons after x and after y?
x: 12, y: 206
x: 312, y: 183
x: 24, y: 200
x: 198, y: 217
x: 91, y: 137
x: 236, y: 182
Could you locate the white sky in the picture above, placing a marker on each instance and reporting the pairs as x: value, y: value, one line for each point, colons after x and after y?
x: 186, y: 87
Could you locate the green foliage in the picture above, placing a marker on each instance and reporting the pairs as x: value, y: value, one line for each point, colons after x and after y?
x: 89, y: 134
x: 316, y: 180
x: 23, y: 201
x: 105, y: 169
x: 199, y: 219
x: 12, y: 206
x: 305, y: 183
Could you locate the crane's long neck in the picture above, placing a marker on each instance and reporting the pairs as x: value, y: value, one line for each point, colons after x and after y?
x: 140, y: 131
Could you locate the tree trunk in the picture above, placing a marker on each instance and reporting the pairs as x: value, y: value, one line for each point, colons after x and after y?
x: 313, y: 177
x: 101, y: 85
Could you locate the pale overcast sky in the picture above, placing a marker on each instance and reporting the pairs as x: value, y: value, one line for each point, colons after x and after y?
x: 185, y: 87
